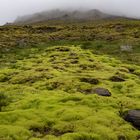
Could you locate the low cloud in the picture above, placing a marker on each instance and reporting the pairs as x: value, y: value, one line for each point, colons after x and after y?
x: 10, y: 9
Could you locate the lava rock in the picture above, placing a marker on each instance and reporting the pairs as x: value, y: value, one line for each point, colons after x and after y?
x: 133, y: 116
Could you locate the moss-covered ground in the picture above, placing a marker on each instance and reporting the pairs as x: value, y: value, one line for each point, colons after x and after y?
x: 47, y: 73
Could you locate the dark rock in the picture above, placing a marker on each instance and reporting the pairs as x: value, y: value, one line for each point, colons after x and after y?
x: 98, y: 91
x: 133, y: 116
x: 90, y: 80
x: 102, y: 92
x: 117, y: 79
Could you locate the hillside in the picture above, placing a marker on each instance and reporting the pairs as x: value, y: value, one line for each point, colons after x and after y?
x: 63, y: 15
x: 70, y: 80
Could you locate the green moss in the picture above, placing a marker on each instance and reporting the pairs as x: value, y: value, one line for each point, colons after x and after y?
x: 45, y: 85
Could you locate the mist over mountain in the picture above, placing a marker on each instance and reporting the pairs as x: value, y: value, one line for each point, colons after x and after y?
x: 10, y: 10
x: 69, y: 15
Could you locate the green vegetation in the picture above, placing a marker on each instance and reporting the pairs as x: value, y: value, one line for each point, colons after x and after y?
x: 45, y: 83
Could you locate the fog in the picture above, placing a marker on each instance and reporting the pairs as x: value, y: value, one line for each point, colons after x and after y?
x: 10, y: 9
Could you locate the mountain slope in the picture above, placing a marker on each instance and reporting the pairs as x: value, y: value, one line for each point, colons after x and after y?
x: 63, y: 15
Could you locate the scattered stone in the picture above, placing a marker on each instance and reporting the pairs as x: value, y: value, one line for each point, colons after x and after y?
x: 102, y: 92
x: 98, y: 91
x: 133, y: 116
x: 90, y: 80
x: 126, y: 48
x: 117, y: 79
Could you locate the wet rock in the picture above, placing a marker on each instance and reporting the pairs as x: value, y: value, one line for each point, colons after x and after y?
x: 133, y: 116
x: 90, y: 80
x: 117, y: 79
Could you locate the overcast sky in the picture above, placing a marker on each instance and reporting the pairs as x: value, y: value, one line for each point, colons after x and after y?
x: 10, y: 9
